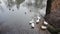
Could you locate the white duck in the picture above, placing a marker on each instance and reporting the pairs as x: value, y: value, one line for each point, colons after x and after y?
x: 38, y: 17
x: 44, y: 27
x: 32, y: 21
x: 37, y: 21
x: 45, y: 23
x: 32, y: 25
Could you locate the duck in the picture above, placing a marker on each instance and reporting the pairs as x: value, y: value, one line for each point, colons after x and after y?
x: 38, y: 17
x: 43, y: 27
x: 37, y: 21
x: 32, y: 25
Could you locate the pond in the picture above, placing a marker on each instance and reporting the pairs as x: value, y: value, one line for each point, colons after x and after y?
x: 16, y: 14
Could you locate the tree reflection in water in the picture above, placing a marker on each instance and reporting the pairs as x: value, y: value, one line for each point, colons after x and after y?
x: 11, y: 3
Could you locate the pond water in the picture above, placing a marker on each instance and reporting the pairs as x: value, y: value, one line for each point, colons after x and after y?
x: 16, y: 14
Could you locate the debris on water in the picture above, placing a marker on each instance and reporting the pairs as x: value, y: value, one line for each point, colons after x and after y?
x: 30, y: 10
x: 25, y: 12
x: 12, y: 9
x: 9, y: 9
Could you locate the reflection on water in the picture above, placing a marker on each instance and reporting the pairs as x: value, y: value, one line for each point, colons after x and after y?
x: 11, y: 3
x: 18, y: 2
